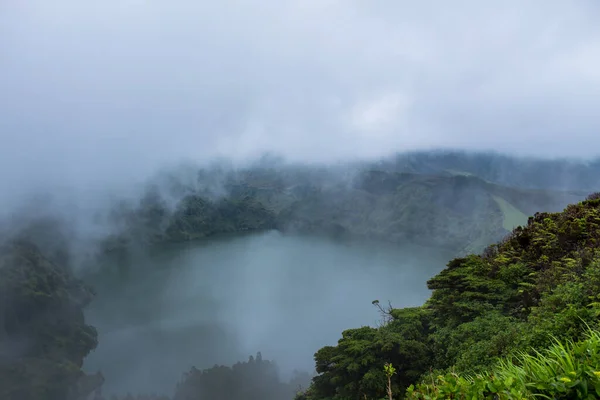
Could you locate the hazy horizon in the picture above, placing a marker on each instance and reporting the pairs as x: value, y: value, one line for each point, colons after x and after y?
x: 105, y: 92
x: 100, y: 100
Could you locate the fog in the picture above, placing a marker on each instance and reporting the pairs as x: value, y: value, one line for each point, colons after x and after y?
x: 99, y: 98
x: 95, y: 93
x: 223, y: 300
x: 96, y: 97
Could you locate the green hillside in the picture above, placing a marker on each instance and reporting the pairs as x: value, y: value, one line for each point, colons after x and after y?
x: 43, y: 336
x: 461, y: 213
x: 538, y: 285
x: 454, y: 212
x: 512, y: 216
x: 524, y: 172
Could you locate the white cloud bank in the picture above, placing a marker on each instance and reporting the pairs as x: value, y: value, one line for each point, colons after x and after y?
x: 106, y: 90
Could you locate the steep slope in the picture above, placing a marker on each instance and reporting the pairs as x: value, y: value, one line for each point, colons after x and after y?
x: 462, y: 213
x: 511, y: 216
x: 541, y: 281
x: 457, y: 212
x: 553, y: 174
x: 43, y: 335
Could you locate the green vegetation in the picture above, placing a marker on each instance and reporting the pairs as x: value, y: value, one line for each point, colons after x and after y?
x: 512, y: 216
x: 563, y: 371
x: 459, y: 213
x: 538, y: 285
x: 556, y: 174
x: 43, y: 336
x: 482, y: 333
x: 390, y: 371
x: 194, y: 217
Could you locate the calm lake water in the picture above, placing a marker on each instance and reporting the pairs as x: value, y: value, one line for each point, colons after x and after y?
x: 219, y: 301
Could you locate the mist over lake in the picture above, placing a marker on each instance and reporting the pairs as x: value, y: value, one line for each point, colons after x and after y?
x: 221, y: 300
x: 203, y: 199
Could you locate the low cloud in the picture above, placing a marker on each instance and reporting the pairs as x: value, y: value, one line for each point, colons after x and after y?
x: 104, y: 92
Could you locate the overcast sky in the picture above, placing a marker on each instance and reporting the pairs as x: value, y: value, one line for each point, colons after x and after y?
x: 109, y: 88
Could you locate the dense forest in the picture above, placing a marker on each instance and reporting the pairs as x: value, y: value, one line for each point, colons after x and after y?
x: 533, y: 173
x: 503, y: 312
x: 43, y: 336
x: 458, y: 211
x: 489, y: 316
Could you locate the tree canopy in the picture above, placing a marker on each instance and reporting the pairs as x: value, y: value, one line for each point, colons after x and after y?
x: 539, y: 284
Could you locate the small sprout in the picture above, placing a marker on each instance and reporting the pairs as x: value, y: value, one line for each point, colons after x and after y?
x: 389, y: 371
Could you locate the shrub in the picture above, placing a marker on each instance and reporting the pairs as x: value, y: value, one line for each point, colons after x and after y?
x: 568, y: 370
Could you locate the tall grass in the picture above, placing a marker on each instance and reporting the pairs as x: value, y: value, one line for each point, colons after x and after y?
x: 566, y: 370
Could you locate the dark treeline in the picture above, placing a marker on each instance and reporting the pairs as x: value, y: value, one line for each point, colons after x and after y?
x: 43, y: 335
x: 255, y: 379
x: 433, y: 206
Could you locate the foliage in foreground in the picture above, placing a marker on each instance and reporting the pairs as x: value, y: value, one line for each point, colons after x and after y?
x: 563, y: 371
x: 541, y: 281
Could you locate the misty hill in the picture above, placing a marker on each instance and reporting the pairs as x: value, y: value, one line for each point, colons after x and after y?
x: 508, y: 295
x: 459, y: 212
x: 540, y: 280
x: 539, y: 284
x: 43, y: 335
x: 535, y: 173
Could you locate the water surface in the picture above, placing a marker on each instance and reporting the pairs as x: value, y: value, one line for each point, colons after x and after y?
x: 221, y: 300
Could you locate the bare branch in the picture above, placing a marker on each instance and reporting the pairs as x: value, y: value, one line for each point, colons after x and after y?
x: 386, y: 313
